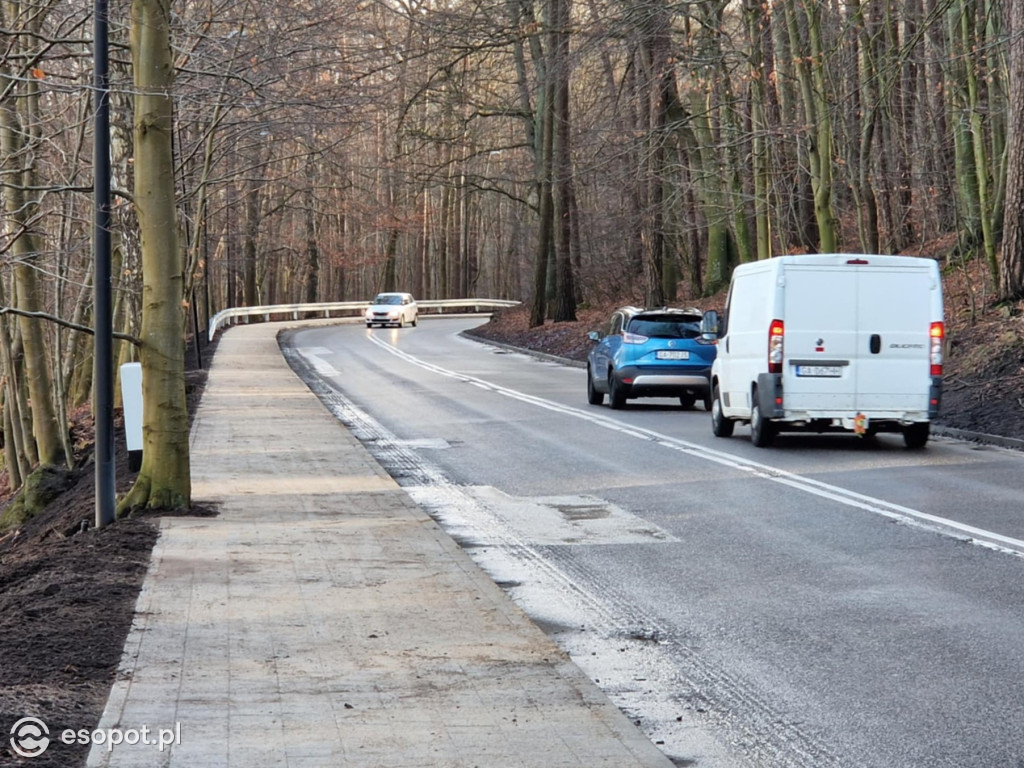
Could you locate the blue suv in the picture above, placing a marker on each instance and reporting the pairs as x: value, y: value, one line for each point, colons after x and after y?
x: 651, y: 353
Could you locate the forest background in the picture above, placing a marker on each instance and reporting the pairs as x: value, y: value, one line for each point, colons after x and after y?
x: 568, y: 154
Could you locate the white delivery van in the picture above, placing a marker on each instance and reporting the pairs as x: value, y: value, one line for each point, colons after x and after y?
x: 830, y: 342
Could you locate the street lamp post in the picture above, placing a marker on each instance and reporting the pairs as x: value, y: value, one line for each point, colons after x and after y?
x: 103, y: 340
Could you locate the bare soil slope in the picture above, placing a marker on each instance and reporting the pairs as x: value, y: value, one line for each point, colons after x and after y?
x: 67, y: 597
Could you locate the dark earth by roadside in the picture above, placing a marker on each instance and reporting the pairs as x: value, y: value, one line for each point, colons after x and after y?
x: 67, y: 597
x: 68, y: 590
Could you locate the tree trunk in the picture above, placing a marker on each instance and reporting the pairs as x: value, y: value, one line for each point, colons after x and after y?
x: 761, y: 68
x: 862, y: 120
x: 24, y: 253
x: 712, y: 195
x: 726, y: 127
x: 545, y: 235
x: 969, y: 216
x: 1011, y: 265
x: 19, y: 459
x: 934, y: 131
x: 810, y: 70
x: 21, y: 393
x: 905, y: 123
x: 565, y: 291
x: 821, y: 152
x: 12, y: 457
x: 658, y: 71
x: 312, y: 291
x: 164, y: 480
x: 538, y: 307
x: 979, y: 149
x: 250, y: 296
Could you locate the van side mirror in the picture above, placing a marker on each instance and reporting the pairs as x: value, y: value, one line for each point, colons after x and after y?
x: 709, y: 325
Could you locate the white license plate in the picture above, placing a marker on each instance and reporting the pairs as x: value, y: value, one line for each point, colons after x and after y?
x: 820, y: 371
x: 672, y: 354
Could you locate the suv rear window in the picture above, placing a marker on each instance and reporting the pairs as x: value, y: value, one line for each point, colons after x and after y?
x: 665, y: 326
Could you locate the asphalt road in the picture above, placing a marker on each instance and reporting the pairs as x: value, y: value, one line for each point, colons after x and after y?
x: 830, y: 601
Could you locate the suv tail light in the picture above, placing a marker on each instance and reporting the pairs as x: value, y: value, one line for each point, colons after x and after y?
x: 937, y: 332
x: 776, y: 332
x: 634, y: 338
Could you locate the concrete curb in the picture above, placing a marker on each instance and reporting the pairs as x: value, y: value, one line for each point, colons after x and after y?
x: 978, y: 437
x: 524, y: 351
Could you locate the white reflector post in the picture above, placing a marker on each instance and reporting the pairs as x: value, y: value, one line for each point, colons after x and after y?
x: 131, y: 396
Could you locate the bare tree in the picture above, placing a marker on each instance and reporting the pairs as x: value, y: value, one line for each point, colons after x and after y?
x: 164, y: 480
x: 1011, y: 268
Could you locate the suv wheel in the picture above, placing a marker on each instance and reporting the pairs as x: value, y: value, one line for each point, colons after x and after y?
x: 593, y: 396
x: 688, y: 401
x: 616, y: 393
x: 720, y: 425
x: 762, y: 431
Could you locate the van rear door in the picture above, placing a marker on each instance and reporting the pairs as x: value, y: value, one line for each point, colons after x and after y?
x: 856, y: 337
x: 895, y: 313
x: 821, y: 311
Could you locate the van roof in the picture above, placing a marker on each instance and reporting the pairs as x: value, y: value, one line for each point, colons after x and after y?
x: 840, y: 259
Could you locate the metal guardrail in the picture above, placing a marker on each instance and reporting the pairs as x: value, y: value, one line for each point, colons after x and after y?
x: 343, y: 308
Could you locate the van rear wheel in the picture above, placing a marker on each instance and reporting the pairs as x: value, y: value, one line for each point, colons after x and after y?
x: 762, y: 431
x: 720, y: 425
x: 916, y: 435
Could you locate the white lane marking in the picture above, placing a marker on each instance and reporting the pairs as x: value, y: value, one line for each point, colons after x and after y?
x: 425, y: 443
x: 824, y: 490
x: 322, y: 367
x: 571, y: 520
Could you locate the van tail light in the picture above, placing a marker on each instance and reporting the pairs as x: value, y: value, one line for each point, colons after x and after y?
x: 776, y: 332
x: 937, y: 333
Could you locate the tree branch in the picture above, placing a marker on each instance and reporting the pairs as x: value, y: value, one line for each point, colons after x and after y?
x: 68, y: 324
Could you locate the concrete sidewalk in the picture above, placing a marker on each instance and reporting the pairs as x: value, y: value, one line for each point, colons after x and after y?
x: 323, y: 619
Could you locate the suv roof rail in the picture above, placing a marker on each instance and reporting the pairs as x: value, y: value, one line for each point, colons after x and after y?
x: 680, y: 310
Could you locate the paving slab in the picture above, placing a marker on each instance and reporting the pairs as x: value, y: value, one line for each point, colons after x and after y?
x: 323, y: 619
